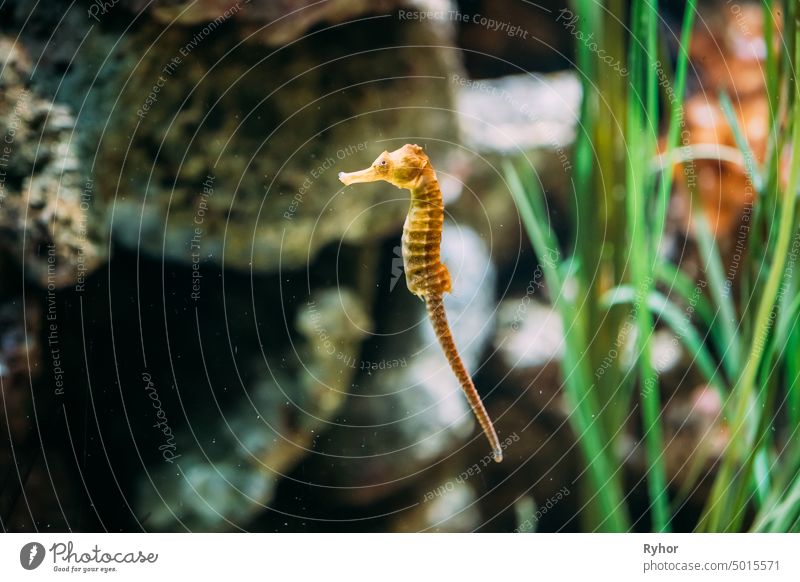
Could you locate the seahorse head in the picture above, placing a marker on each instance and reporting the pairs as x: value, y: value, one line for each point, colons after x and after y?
x: 402, y: 167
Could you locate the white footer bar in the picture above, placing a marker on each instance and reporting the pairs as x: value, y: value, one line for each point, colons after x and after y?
x: 400, y: 557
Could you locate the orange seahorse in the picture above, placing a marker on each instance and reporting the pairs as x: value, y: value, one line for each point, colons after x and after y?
x: 409, y: 168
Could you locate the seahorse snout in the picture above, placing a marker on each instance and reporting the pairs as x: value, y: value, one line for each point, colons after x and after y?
x: 367, y: 175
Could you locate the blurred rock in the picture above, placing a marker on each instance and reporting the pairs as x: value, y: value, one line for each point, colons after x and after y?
x: 525, y: 366
x: 20, y: 357
x: 410, y: 412
x: 675, y: 368
x: 36, y: 492
x: 229, y: 478
x: 278, y: 22
x: 519, y: 112
x: 528, y: 351
x: 695, y: 437
x: 48, y: 218
x: 198, y: 98
x: 542, y: 460
x: 20, y: 353
x: 529, y: 120
x: 450, y: 507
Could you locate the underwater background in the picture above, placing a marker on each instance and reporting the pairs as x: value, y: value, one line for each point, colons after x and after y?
x: 201, y: 329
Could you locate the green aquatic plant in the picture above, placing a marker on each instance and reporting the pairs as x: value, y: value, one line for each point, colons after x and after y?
x: 743, y: 340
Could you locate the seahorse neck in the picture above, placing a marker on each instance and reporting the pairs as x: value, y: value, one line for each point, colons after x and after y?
x: 427, y: 190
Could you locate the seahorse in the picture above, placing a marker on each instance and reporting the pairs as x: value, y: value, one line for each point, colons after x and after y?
x: 426, y: 276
